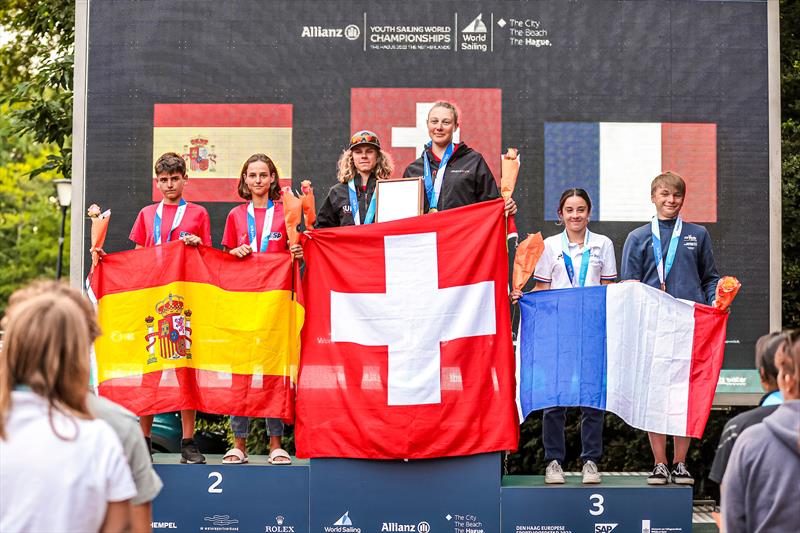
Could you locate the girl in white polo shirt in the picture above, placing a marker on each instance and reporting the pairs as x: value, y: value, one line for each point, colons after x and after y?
x: 576, y: 257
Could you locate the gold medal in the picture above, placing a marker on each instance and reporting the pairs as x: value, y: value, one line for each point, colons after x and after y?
x: 432, y: 210
x: 664, y: 287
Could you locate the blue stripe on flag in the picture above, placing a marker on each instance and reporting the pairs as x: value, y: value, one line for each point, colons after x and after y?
x: 571, y: 159
x: 562, y: 349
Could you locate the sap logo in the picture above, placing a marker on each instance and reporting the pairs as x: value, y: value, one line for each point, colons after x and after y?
x: 604, y: 528
x: 275, y: 236
x: 163, y: 525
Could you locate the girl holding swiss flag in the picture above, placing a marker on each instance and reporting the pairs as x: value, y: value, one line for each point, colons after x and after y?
x: 257, y: 226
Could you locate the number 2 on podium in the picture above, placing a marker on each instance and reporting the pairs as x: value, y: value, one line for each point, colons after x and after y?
x: 597, y: 504
x: 213, y: 489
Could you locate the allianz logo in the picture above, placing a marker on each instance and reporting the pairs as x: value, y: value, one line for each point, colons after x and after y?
x: 392, y: 527
x: 164, y: 525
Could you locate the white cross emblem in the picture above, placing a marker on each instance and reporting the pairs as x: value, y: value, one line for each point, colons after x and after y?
x: 413, y: 317
x: 417, y: 136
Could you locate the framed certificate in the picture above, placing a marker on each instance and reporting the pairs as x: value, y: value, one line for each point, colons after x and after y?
x: 398, y: 199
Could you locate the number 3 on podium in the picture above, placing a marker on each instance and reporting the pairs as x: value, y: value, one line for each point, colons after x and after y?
x: 596, y: 499
x: 214, y: 488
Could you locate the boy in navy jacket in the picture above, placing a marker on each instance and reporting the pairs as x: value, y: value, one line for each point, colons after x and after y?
x: 676, y: 257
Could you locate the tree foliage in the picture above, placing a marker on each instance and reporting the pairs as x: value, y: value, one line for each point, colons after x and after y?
x: 30, y: 221
x: 790, y: 159
x: 36, y: 71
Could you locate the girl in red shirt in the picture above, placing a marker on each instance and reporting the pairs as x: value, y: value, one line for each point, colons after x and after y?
x: 257, y: 226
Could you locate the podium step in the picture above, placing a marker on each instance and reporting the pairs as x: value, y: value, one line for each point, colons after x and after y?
x: 452, y: 495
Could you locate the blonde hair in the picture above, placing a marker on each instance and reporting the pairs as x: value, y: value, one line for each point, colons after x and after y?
x: 384, y: 166
x: 46, y: 347
x: 668, y: 180
x: 446, y: 105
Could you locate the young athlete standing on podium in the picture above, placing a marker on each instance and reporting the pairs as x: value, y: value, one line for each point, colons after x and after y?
x: 352, y: 201
x: 257, y: 226
x: 574, y: 258
x: 173, y: 218
x: 676, y: 257
x: 455, y: 174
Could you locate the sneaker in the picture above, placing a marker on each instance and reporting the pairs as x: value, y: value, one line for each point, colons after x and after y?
x: 660, y: 475
x: 590, y: 473
x: 554, y: 475
x: 681, y: 476
x: 190, y: 453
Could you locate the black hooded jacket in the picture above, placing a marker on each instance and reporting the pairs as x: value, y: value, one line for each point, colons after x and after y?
x: 467, y: 178
x: 335, y: 210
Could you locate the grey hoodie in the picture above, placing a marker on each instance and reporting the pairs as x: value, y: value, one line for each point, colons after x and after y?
x: 761, y: 487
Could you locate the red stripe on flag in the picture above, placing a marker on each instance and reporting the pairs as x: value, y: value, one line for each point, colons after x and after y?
x: 203, y: 390
x: 708, y: 351
x: 691, y: 151
x: 212, y: 190
x: 174, y: 261
x: 222, y: 115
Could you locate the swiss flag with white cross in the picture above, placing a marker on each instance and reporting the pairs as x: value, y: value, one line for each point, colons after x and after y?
x: 406, y: 349
x: 399, y: 116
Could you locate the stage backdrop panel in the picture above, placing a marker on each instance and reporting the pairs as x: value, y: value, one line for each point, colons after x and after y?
x: 675, y: 84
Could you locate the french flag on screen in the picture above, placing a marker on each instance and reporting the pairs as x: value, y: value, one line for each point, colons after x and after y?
x: 616, y: 161
x: 627, y: 348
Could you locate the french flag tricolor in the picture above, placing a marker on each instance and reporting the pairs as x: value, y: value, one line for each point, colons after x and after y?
x: 626, y: 348
x: 616, y: 161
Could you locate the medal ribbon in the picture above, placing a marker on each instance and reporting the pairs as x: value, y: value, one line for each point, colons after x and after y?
x: 265, y: 230
x: 433, y: 188
x: 370, y: 216
x: 175, y: 222
x: 568, y: 259
x: 663, y: 267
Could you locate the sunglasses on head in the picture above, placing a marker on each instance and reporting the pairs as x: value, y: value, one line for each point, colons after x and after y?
x: 363, y: 138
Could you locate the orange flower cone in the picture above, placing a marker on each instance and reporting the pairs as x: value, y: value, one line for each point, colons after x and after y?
x: 292, y: 213
x: 508, y: 181
x: 99, y: 230
x: 528, y: 253
x: 309, y: 204
x: 727, y: 289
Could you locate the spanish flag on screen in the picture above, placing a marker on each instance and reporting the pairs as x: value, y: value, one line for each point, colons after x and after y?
x: 196, y: 328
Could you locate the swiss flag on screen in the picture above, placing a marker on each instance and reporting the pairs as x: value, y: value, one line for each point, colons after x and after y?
x: 406, y: 348
x: 398, y: 116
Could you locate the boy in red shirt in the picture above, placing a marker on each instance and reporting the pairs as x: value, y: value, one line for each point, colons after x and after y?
x: 173, y: 218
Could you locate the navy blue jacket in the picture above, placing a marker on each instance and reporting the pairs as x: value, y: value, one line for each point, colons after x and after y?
x: 693, y: 275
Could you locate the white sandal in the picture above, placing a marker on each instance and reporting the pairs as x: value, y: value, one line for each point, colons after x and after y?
x: 279, y: 452
x: 239, y: 457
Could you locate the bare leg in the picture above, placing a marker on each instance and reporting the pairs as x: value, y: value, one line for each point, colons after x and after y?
x: 658, y: 443
x: 187, y: 422
x: 146, y: 423
x: 681, y: 449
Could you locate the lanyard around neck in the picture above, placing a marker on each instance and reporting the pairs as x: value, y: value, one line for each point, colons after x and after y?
x: 433, y: 188
x: 175, y: 221
x: 664, y: 266
x: 266, y: 228
x: 354, y: 207
x: 568, y: 259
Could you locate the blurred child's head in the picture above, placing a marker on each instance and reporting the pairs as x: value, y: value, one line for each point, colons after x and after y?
x: 766, y: 348
x: 46, y: 348
x: 787, y: 360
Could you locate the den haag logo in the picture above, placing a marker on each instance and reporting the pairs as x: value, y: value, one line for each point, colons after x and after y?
x: 173, y: 336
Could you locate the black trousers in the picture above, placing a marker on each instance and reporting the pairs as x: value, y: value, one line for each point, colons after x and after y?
x: 553, y: 421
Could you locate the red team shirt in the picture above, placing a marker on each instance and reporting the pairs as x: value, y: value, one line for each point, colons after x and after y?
x: 235, y: 233
x: 195, y: 221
